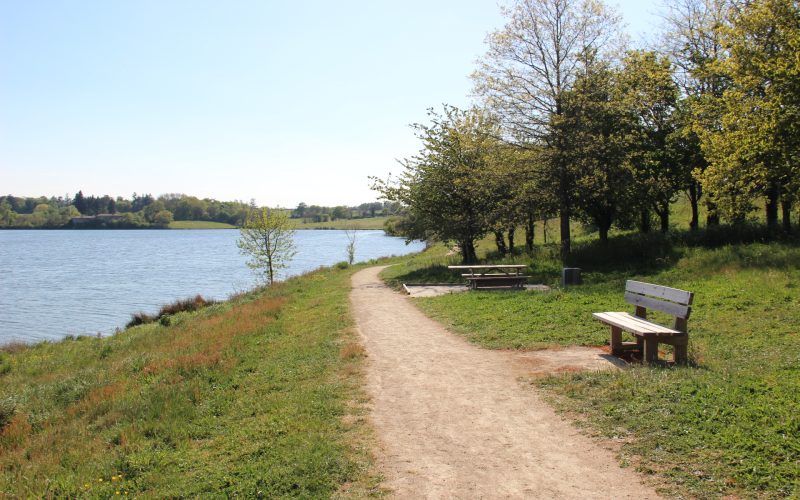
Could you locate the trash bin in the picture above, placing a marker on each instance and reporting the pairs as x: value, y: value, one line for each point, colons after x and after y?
x: 571, y: 276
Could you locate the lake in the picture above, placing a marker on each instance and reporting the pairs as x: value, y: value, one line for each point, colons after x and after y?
x: 57, y: 283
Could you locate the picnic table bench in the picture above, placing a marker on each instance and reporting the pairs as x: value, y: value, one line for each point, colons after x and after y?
x: 492, y: 276
x: 672, y: 301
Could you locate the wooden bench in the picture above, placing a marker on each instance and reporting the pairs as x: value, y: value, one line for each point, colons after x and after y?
x: 479, y: 277
x: 643, y: 296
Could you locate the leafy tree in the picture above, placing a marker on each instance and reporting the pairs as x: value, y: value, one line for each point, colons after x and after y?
x: 445, y: 187
x: 80, y: 202
x: 755, y: 149
x: 693, y: 41
x: 600, y: 125
x: 529, y: 66
x: 651, y: 94
x: 340, y: 212
x: 7, y: 214
x: 267, y: 238
x: 163, y: 218
x: 151, y: 211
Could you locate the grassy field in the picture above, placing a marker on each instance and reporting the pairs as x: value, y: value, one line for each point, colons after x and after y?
x: 368, y: 223
x: 199, y: 224
x: 257, y: 397
x: 727, y: 425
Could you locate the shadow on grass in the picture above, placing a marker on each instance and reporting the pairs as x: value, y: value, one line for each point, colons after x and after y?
x: 437, y: 273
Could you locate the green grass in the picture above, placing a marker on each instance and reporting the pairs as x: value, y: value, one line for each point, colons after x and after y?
x: 199, y: 224
x: 256, y: 397
x: 727, y: 425
x: 367, y: 223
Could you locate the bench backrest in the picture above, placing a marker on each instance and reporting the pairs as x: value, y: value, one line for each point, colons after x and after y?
x: 675, y: 302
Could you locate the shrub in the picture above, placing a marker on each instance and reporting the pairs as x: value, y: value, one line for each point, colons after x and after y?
x: 191, y: 304
x: 7, y: 409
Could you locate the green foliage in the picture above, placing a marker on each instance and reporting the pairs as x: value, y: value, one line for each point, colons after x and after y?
x: 446, y: 186
x: 753, y: 148
x: 599, y: 125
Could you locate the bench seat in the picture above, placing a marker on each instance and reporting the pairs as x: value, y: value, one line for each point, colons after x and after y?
x: 635, y: 325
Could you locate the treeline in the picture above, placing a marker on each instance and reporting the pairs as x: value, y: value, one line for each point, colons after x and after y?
x: 139, y: 211
x: 316, y: 213
x: 143, y: 211
x: 574, y: 125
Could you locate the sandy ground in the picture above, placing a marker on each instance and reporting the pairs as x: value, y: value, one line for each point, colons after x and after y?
x: 454, y: 420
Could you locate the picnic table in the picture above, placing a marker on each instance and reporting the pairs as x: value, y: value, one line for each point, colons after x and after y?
x: 492, y: 276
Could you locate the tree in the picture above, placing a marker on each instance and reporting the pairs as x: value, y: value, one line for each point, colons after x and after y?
x: 693, y: 41
x: 80, y: 202
x: 267, y: 238
x: 651, y: 94
x: 340, y: 212
x: 755, y: 149
x: 445, y: 187
x: 162, y: 218
x: 599, y: 123
x: 351, y: 235
x: 529, y: 66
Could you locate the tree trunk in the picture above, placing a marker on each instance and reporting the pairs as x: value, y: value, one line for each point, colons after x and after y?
x: 786, y: 209
x: 468, y: 255
x: 511, y: 231
x: 500, y: 242
x: 712, y: 216
x: 529, y: 234
x: 565, y: 239
x: 772, y: 206
x: 603, y: 233
x: 644, y: 221
x: 663, y: 215
x: 694, y: 197
x: 563, y: 199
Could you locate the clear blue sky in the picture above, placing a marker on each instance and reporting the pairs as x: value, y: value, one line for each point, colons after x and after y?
x: 281, y: 101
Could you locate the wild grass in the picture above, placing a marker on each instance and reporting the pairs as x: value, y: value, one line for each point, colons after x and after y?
x: 199, y: 224
x: 257, y: 397
x: 167, y: 310
x: 728, y: 425
x: 366, y: 223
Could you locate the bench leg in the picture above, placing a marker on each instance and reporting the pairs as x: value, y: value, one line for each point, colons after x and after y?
x: 681, y: 354
x: 616, y: 340
x: 650, y: 350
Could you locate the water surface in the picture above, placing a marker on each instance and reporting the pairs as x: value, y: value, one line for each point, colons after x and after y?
x: 69, y: 282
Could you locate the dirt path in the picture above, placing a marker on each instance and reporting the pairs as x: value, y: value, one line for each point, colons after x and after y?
x: 454, y: 422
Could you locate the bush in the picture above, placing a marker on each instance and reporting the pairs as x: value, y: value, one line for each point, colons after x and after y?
x: 7, y: 409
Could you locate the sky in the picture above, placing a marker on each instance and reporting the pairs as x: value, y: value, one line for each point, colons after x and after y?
x: 278, y: 101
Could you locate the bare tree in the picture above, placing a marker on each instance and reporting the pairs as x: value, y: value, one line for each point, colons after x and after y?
x: 351, y: 234
x: 529, y: 66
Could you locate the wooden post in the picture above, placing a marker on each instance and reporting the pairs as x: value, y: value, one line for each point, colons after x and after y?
x: 616, y: 339
x: 650, y: 350
x: 681, y: 354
